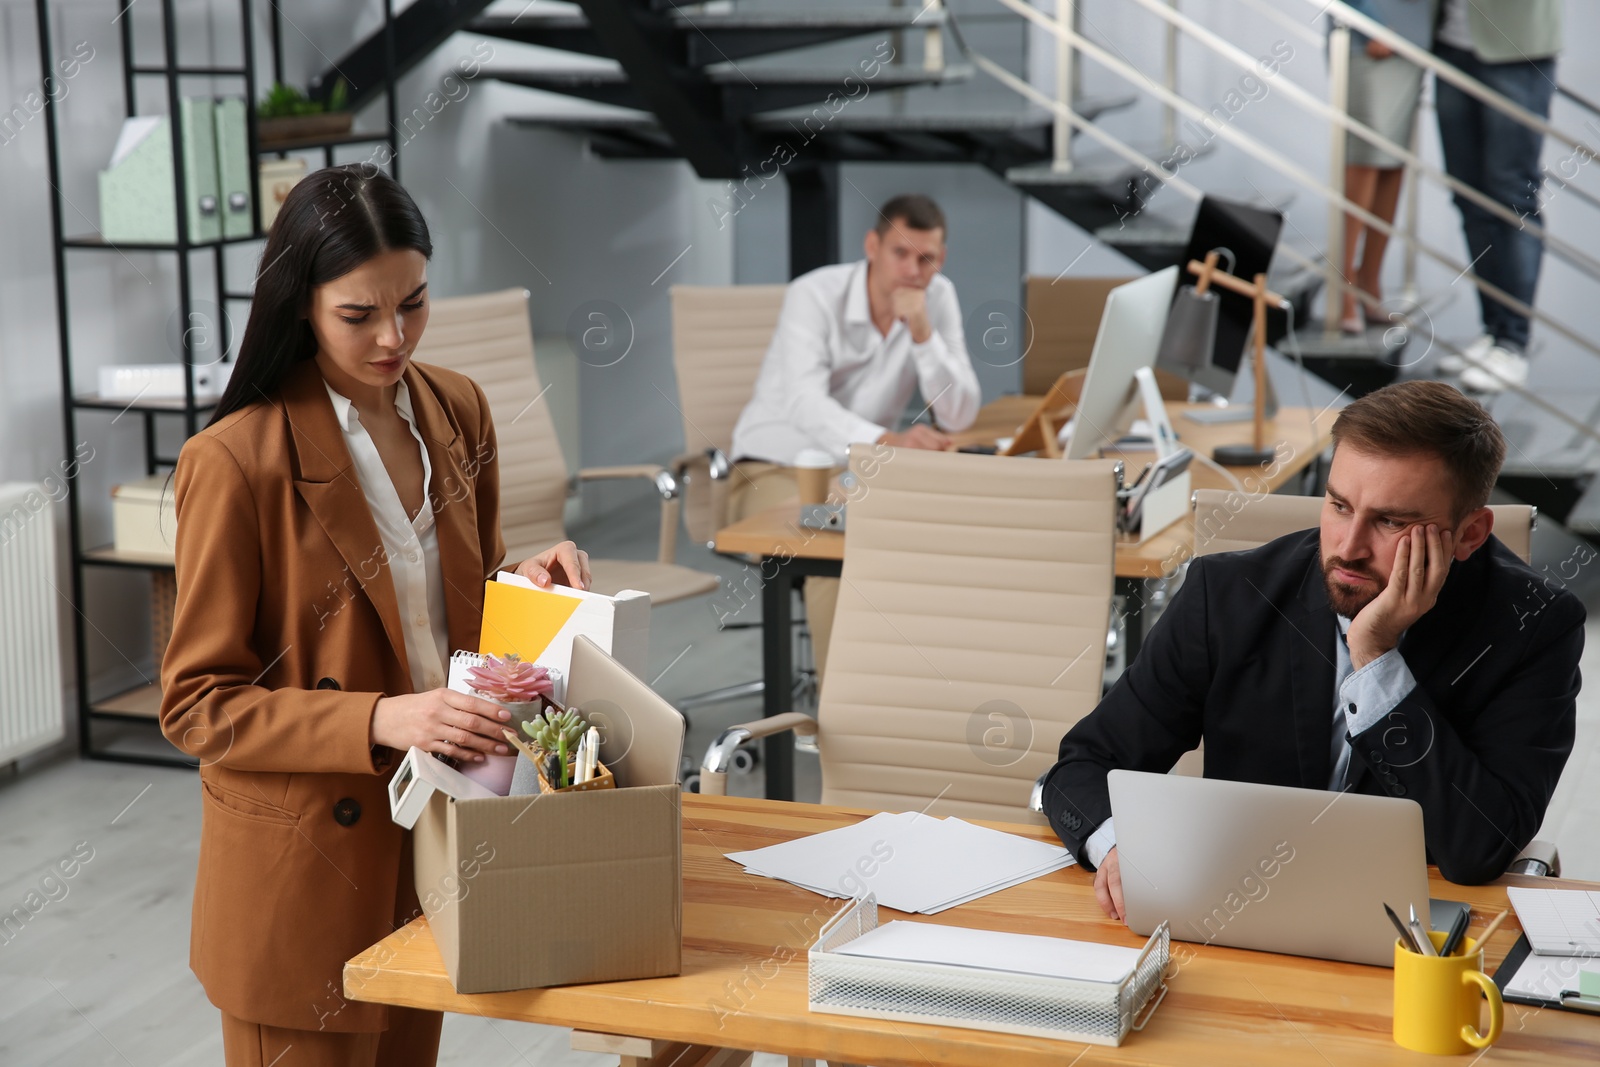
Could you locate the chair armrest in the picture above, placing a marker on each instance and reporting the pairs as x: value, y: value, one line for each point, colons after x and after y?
x: 1539, y: 858
x: 719, y: 756
x: 666, y: 487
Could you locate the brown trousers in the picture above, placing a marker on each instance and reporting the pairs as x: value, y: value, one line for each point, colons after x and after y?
x: 412, y: 1040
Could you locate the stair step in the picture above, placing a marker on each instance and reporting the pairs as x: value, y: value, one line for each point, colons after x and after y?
x: 745, y: 91
x: 1379, y: 342
x: 716, y: 36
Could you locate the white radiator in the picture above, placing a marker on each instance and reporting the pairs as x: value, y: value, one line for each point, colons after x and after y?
x: 31, y: 712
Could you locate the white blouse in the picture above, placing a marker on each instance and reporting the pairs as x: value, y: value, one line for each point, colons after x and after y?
x: 411, y: 546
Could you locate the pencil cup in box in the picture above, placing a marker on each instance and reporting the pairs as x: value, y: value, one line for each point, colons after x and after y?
x: 603, y: 778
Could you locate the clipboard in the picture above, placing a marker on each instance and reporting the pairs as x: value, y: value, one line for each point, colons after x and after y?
x: 1519, y: 954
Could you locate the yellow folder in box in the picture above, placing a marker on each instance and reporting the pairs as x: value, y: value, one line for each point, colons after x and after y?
x: 539, y: 625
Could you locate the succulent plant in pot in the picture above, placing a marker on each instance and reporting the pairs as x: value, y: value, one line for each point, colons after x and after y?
x: 520, y: 688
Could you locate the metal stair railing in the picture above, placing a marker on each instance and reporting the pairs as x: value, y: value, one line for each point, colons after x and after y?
x: 1339, y: 204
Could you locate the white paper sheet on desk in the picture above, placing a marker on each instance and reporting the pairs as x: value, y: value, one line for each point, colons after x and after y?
x: 994, y: 950
x: 1558, y: 922
x: 913, y: 862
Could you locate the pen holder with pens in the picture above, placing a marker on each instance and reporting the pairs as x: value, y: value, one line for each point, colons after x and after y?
x: 1437, y: 1000
x: 564, y: 752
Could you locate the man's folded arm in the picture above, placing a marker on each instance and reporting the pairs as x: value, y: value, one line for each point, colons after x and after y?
x: 1483, y: 787
x: 1152, y: 716
x: 944, y: 369
x: 800, y: 346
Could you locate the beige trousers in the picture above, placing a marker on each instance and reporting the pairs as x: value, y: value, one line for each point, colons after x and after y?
x: 758, y: 486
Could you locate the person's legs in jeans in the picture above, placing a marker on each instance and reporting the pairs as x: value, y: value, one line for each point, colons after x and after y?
x: 1461, y: 137
x: 1512, y: 175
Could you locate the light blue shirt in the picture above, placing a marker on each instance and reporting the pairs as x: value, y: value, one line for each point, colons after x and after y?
x: 1361, y: 699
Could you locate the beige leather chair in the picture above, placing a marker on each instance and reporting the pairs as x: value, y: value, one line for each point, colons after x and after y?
x: 488, y: 338
x: 1226, y: 521
x: 719, y: 335
x: 970, y: 632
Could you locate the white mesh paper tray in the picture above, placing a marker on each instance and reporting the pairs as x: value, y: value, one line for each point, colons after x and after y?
x: 1100, y: 1013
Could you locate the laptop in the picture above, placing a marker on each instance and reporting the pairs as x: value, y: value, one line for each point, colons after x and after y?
x: 641, y: 734
x: 1299, y: 871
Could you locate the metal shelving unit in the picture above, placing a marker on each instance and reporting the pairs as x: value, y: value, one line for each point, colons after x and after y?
x: 141, y: 704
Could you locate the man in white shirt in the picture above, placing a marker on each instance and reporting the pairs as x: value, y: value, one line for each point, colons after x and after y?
x: 852, y: 342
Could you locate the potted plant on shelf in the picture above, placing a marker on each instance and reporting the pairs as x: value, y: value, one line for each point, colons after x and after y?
x: 521, y: 689
x: 288, y: 115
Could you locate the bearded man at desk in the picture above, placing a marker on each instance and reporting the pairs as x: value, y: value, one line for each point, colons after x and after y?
x: 1399, y: 650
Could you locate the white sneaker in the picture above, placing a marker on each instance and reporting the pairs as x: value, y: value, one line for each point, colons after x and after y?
x: 1451, y: 363
x: 1498, y: 369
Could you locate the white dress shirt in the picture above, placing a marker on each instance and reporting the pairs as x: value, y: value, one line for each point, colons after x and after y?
x: 410, y: 546
x: 830, y: 379
x: 1361, y: 699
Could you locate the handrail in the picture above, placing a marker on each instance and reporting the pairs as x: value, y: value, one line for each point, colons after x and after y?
x: 1171, y: 178
x: 1242, y: 59
x: 1272, y: 159
x: 1348, y: 15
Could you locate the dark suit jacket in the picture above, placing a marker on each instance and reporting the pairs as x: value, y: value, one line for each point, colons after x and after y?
x: 1244, y: 659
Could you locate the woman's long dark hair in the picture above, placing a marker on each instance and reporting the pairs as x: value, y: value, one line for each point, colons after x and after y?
x: 331, y: 222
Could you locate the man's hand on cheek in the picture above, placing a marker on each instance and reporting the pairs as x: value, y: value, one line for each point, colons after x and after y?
x: 911, y: 305
x: 1421, y: 564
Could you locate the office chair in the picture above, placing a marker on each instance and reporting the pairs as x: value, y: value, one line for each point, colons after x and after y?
x: 488, y: 338
x: 970, y: 632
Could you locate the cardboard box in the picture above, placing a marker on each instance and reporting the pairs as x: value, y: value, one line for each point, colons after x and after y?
x: 525, y: 892
x: 1063, y: 317
x: 144, y: 517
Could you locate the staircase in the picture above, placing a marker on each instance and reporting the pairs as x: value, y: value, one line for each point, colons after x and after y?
x: 746, y: 93
x: 691, y: 92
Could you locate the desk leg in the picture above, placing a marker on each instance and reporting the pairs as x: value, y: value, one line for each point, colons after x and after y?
x: 777, y: 672
x: 1131, y: 590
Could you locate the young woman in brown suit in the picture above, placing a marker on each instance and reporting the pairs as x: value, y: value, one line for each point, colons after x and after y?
x: 336, y: 522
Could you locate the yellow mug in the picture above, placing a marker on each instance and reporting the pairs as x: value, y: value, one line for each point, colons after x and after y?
x: 1436, y: 999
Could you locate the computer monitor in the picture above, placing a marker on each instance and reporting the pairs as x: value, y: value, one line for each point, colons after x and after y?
x: 1251, y: 234
x: 1130, y: 332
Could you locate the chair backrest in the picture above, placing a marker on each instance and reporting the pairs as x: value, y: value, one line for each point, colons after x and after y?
x: 488, y: 338
x: 970, y: 632
x: 1062, y: 321
x: 719, y: 335
x: 1227, y: 521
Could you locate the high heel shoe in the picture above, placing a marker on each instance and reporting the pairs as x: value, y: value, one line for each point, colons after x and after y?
x: 1354, y: 324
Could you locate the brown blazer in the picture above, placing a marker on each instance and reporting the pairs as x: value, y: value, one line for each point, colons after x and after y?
x: 286, y: 634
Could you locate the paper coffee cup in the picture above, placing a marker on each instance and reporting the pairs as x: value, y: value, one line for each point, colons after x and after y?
x: 813, y: 470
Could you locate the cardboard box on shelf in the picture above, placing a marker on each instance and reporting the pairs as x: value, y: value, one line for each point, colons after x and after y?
x: 144, y: 517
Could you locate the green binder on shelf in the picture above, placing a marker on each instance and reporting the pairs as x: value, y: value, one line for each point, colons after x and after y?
x: 136, y: 190
x: 136, y: 203
x: 233, y: 167
x: 197, y: 116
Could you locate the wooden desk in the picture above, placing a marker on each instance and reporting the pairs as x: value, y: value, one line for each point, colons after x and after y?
x: 744, y: 976
x: 788, y: 552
